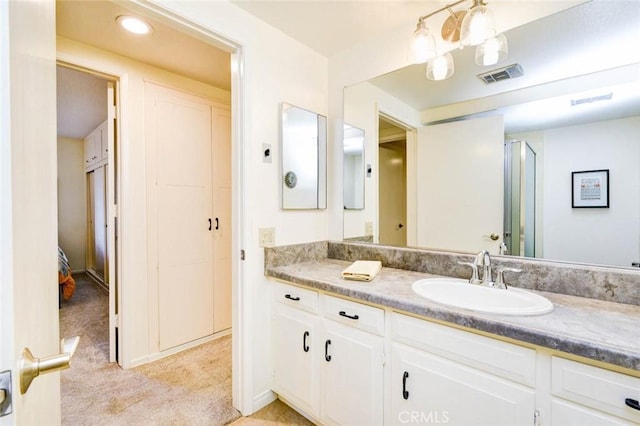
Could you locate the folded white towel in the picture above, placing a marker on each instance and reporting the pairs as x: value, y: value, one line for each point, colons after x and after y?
x: 362, y: 270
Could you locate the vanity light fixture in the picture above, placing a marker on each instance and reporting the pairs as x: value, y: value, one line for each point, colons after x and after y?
x: 475, y: 27
x: 492, y: 51
x: 133, y: 24
x: 440, y: 68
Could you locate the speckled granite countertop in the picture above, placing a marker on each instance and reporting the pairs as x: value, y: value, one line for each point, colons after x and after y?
x: 595, y: 329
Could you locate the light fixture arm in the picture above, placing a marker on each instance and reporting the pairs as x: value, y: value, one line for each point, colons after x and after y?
x: 422, y: 18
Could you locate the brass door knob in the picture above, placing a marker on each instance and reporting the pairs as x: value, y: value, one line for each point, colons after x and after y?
x: 30, y: 367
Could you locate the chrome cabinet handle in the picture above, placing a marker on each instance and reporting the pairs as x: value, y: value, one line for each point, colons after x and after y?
x: 327, y: 357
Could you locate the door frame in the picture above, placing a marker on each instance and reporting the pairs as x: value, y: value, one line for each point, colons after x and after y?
x: 242, y: 379
x: 114, y: 244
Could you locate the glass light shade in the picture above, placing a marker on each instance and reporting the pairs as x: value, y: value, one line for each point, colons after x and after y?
x: 423, y: 44
x: 492, y: 51
x: 478, y: 25
x: 440, y: 68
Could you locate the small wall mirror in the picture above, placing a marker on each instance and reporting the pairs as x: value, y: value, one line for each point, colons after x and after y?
x: 304, y: 158
x: 353, y: 168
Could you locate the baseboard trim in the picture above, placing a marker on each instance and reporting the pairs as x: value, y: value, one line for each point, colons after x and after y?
x: 175, y: 350
x: 263, y: 399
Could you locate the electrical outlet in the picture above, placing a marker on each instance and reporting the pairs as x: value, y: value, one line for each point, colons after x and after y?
x: 368, y: 228
x: 267, y: 237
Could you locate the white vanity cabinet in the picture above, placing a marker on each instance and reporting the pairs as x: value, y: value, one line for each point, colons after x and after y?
x: 443, y: 375
x: 587, y: 395
x: 325, y: 363
x: 352, y: 363
x: 297, y: 349
x: 330, y: 363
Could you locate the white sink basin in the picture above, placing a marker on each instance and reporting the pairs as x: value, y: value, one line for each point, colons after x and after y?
x: 460, y: 294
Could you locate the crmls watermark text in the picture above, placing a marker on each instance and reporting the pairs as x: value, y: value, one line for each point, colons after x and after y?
x: 423, y: 417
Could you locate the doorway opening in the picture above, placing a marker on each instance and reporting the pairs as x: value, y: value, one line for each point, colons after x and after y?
x: 392, y: 182
x: 87, y: 191
x: 186, y: 36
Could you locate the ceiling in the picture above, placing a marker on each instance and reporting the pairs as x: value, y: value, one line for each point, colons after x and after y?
x: 82, y: 97
x: 330, y: 26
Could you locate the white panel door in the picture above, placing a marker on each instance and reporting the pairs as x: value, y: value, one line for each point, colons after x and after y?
x: 28, y: 220
x: 182, y: 133
x: 295, y: 357
x: 428, y: 389
x: 460, y: 181
x: 222, y: 221
x: 351, y: 377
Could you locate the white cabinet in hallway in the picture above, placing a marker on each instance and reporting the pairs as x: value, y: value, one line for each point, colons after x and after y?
x: 188, y: 146
x: 96, y: 147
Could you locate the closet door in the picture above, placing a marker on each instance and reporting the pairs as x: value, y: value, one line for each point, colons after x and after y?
x: 99, y: 220
x: 179, y: 126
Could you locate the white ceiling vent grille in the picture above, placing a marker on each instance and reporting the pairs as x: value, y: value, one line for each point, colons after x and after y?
x: 505, y: 73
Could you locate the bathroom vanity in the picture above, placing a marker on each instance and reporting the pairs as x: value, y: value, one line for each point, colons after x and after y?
x: 348, y: 352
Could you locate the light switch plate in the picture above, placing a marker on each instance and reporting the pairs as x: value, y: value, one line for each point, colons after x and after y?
x: 368, y: 228
x: 267, y: 237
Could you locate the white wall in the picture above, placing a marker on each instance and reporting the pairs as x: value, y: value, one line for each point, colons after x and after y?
x: 602, y: 236
x: 72, y: 202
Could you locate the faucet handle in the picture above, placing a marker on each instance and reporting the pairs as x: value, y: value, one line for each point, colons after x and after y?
x: 500, y: 283
x: 475, y: 279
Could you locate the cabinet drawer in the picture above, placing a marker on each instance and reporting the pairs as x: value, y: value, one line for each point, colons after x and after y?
x: 595, y: 387
x: 502, y: 359
x: 353, y: 314
x: 298, y: 297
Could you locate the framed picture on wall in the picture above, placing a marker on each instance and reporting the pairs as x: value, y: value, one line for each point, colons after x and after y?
x: 590, y: 189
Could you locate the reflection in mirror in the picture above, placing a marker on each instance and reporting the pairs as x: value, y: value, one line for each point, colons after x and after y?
x: 353, y: 168
x: 303, y: 148
x: 490, y: 167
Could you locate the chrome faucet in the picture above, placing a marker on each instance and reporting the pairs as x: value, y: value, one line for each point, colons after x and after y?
x: 487, y: 278
x: 475, y: 267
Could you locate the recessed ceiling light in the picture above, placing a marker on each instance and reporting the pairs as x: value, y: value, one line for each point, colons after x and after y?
x: 133, y: 24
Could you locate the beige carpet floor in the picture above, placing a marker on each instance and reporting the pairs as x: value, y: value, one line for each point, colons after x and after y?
x: 190, y: 388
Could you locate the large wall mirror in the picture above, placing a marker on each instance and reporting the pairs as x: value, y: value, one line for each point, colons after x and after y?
x: 489, y: 166
x: 304, y: 157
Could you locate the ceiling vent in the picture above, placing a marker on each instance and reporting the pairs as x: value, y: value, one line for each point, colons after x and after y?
x: 592, y: 99
x: 506, y: 73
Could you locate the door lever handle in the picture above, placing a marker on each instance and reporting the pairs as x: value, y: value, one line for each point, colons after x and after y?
x: 30, y: 367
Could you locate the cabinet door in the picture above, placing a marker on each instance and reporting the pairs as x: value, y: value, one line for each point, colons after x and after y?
x: 89, y: 150
x: 567, y: 414
x: 102, y: 142
x: 295, y: 355
x: 351, y: 376
x: 428, y: 389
